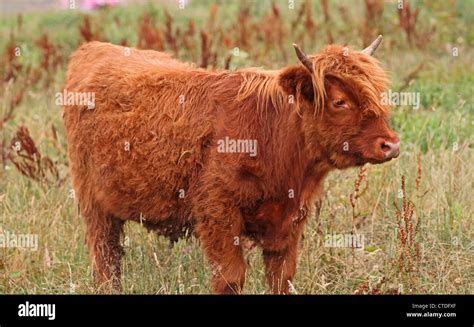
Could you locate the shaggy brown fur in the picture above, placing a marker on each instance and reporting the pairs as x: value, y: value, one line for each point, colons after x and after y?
x: 148, y: 151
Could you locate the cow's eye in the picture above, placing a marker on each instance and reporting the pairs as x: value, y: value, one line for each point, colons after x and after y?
x: 339, y: 103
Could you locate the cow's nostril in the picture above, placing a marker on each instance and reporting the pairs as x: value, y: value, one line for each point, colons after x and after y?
x: 385, y: 147
x: 392, y: 150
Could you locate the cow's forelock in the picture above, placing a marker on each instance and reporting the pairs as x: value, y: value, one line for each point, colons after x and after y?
x: 361, y: 73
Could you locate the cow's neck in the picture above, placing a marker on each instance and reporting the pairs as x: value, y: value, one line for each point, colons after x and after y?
x: 301, y: 164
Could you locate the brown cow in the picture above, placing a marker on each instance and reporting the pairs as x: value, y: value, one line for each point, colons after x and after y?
x: 224, y: 154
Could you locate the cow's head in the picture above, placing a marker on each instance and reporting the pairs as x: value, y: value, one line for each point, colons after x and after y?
x: 338, y: 92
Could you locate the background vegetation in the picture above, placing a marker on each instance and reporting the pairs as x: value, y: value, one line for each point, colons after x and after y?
x: 416, y: 213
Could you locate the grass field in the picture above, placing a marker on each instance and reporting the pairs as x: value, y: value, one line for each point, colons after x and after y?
x: 433, y: 57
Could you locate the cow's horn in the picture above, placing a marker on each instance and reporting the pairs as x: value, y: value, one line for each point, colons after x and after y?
x: 371, y: 48
x: 303, y: 58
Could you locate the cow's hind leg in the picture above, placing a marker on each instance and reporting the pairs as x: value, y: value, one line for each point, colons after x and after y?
x: 103, y: 240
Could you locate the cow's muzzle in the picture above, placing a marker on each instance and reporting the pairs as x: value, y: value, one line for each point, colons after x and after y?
x: 390, y: 148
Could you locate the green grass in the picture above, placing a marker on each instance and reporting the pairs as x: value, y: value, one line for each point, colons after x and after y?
x: 440, y: 131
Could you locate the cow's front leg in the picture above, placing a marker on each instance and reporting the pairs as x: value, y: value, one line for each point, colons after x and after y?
x: 280, y: 265
x: 219, y: 226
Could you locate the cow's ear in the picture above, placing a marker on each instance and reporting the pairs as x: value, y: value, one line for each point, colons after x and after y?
x: 296, y: 80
